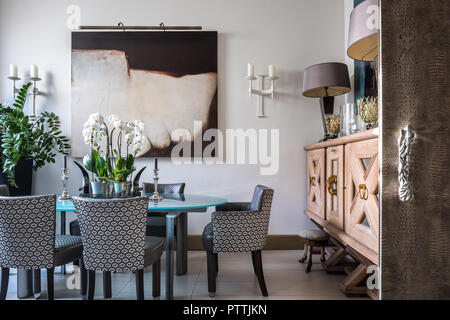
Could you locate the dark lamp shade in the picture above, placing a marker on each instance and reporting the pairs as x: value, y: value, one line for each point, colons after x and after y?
x: 363, y: 31
x: 326, y: 79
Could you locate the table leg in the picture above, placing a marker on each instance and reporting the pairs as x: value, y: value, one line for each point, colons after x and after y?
x: 24, y: 283
x: 182, y: 245
x: 170, y: 226
x: 63, y: 231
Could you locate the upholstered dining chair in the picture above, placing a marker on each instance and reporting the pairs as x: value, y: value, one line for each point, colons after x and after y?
x: 156, y: 222
x: 239, y: 227
x: 113, y: 235
x: 28, y: 240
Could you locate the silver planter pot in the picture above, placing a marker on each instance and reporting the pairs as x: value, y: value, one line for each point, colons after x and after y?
x: 118, y: 187
x: 99, y: 188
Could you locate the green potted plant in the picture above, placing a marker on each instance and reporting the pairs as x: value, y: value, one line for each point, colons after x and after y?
x: 106, y: 163
x: 27, y: 143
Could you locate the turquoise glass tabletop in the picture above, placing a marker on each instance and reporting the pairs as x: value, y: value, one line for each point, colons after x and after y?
x: 170, y: 202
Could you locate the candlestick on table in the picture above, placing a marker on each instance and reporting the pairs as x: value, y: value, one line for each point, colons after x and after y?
x: 156, y: 163
x: 156, y: 197
x: 65, y: 178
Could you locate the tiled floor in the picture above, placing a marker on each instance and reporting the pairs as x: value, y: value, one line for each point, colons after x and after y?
x: 285, y: 279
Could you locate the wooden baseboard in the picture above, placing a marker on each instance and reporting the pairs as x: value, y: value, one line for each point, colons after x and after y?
x: 274, y: 242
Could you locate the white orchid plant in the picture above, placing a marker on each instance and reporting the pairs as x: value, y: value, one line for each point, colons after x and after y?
x: 106, y: 163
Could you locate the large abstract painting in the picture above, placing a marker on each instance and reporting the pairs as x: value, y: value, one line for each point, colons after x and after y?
x: 168, y: 80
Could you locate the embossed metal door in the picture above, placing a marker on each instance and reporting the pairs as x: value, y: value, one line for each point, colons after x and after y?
x: 316, y: 182
x: 415, y: 60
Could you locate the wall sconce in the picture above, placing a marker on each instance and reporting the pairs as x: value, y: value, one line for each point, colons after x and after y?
x: 34, y: 76
x: 261, y: 91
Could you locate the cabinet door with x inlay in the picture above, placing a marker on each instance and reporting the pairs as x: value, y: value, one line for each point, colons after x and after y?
x: 335, y: 186
x: 361, y: 192
x: 316, y: 182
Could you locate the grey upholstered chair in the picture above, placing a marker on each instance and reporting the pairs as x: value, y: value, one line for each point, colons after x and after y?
x: 156, y: 222
x: 28, y: 240
x: 239, y: 227
x: 113, y: 234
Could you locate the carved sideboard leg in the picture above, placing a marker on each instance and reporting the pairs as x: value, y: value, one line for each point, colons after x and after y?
x: 352, y: 283
x: 331, y: 265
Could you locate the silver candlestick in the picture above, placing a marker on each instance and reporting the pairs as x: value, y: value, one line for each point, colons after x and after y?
x: 65, y: 178
x: 156, y: 197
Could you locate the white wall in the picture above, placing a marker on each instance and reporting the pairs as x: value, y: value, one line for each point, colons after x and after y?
x: 292, y: 34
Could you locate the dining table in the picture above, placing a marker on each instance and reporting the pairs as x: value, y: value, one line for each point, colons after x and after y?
x: 172, y: 205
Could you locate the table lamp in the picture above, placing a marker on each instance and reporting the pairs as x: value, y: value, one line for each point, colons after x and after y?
x: 363, y: 31
x: 325, y: 81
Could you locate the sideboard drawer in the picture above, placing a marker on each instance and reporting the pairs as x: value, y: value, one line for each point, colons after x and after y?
x: 316, y: 182
x: 335, y: 186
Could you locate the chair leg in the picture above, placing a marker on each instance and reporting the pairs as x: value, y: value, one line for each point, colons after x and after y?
x: 322, y: 254
x: 140, y: 284
x: 37, y: 281
x: 4, y: 285
x: 257, y: 265
x: 91, y: 285
x: 83, y: 276
x: 107, y: 291
x: 211, y: 266
x: 216, y: 262
x: 50, y: 284
x: 305, y: 253
x: 308, y: 267
x: 156, y: 274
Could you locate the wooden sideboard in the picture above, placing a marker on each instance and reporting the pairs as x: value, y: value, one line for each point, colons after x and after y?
x: 342, y: 196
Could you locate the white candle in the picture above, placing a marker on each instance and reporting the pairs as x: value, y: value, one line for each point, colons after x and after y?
x: 13, y: 71
x: 272, y: 70
x: 34, y: 71
x: 250, y: 70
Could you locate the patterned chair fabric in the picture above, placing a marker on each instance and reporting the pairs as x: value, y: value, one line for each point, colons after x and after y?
x: 242, y: 230
x: 164, y: 188
x: 113, y: 233
x: 27, y: 232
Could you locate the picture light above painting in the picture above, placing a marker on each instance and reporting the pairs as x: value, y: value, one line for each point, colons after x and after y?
x: 167, y: 80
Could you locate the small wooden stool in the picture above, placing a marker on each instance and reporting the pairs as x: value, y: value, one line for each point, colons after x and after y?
x: 313, y: 238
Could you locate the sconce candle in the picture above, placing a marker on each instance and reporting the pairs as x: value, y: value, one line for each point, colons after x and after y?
x: 13, y: 71
x: 250, y: 70
x: 34, y: 71
x: 272, y: 70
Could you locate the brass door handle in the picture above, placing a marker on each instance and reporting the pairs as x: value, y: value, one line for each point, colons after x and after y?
x: 332, y: 185
x: 364, y: 195
x: 313, y: 181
